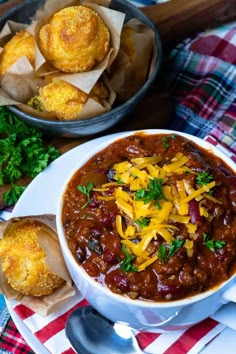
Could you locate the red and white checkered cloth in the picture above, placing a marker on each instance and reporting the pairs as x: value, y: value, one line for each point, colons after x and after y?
x: 51, y: 332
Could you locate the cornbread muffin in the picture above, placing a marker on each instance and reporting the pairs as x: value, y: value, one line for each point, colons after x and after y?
x: 23, y: 261
x: 127, y: 43
x: 66, y: 100
x: 99, y: 92
x: 75, y: 39
x: 19, y: 45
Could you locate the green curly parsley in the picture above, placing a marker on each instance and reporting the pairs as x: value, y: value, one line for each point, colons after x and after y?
x: 23, y: 153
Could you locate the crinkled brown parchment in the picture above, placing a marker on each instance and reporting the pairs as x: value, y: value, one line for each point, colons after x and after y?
x: 48, y: 241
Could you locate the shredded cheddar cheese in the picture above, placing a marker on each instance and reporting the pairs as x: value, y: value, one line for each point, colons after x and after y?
x: 145, y: 264
x: 105, y: 197
x: 166, y: 234
x: 198, y: 192
x: 189, y: 247
x: 180, y: 161
x: 183, y: 207
x: 154, y: 206
x: 192, y: 228
x: 210, y: 197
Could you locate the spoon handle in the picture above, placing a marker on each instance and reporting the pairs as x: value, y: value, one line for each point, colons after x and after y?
x: 89, y: 332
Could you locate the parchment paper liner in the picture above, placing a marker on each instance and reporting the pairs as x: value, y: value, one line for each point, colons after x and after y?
x: 114, y: 20
x: 126, y: 76
x: 48, y: 241
x: 22, y: 88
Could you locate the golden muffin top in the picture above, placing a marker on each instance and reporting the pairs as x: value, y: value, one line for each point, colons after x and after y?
x: 23, y: 261
x: 75, y: 39
x: 65, y: 99
x: 20, y: 44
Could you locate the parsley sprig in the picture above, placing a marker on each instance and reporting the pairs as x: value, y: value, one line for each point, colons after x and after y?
x: 126, y: 265
x: 119, y: 181
x: 164, y: 254
x: 153, y: 192
x: 212, y: 244
x: 23, y: 153
x: 86, y: 190
x: 142, y: 222
x: 11, y: 196
x: 204, y: 178
x: 166, y: 140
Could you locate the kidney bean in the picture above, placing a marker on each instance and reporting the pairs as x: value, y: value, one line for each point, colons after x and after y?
x: 194, y: 211
x: 96, y: 231
x: 170, y: 291
x: 133, y: 150
x: 108, y: 217
x: 117, y: 280
x: 93, y: 203
x: 81, y: 254
x: 110, y: 257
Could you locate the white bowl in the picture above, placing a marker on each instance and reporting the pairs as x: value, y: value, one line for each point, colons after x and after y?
x: 139, y: 314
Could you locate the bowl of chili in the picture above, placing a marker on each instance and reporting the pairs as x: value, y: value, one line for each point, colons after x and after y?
x: 146, y: 222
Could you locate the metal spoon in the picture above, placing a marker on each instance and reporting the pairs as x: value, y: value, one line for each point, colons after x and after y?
x: 89, y: 332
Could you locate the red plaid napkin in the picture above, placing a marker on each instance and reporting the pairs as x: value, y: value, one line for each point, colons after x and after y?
x: 202, y: 82
x: 219, y: 43
x: 12, y: 342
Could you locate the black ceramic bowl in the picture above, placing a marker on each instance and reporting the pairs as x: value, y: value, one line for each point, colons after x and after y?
x: 76, y: 128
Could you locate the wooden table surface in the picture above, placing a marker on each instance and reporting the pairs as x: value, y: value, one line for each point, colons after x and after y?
x: 175, y: 20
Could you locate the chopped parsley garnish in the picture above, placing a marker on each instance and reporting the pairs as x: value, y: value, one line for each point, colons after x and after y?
x: 162, y: 253
x: 11, y: 196
x: 86, y: 191
x: 175, y: 245
x: 143, y: 222
x: 119, y: 181
x: 204, y: 178
x: 23, y: 153
x: 165, y: 142
x: 126, y: 265
x: 211, y: 243
x: 153, y: 192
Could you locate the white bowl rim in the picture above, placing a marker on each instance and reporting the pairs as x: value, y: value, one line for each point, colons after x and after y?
x: 107, y: 292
